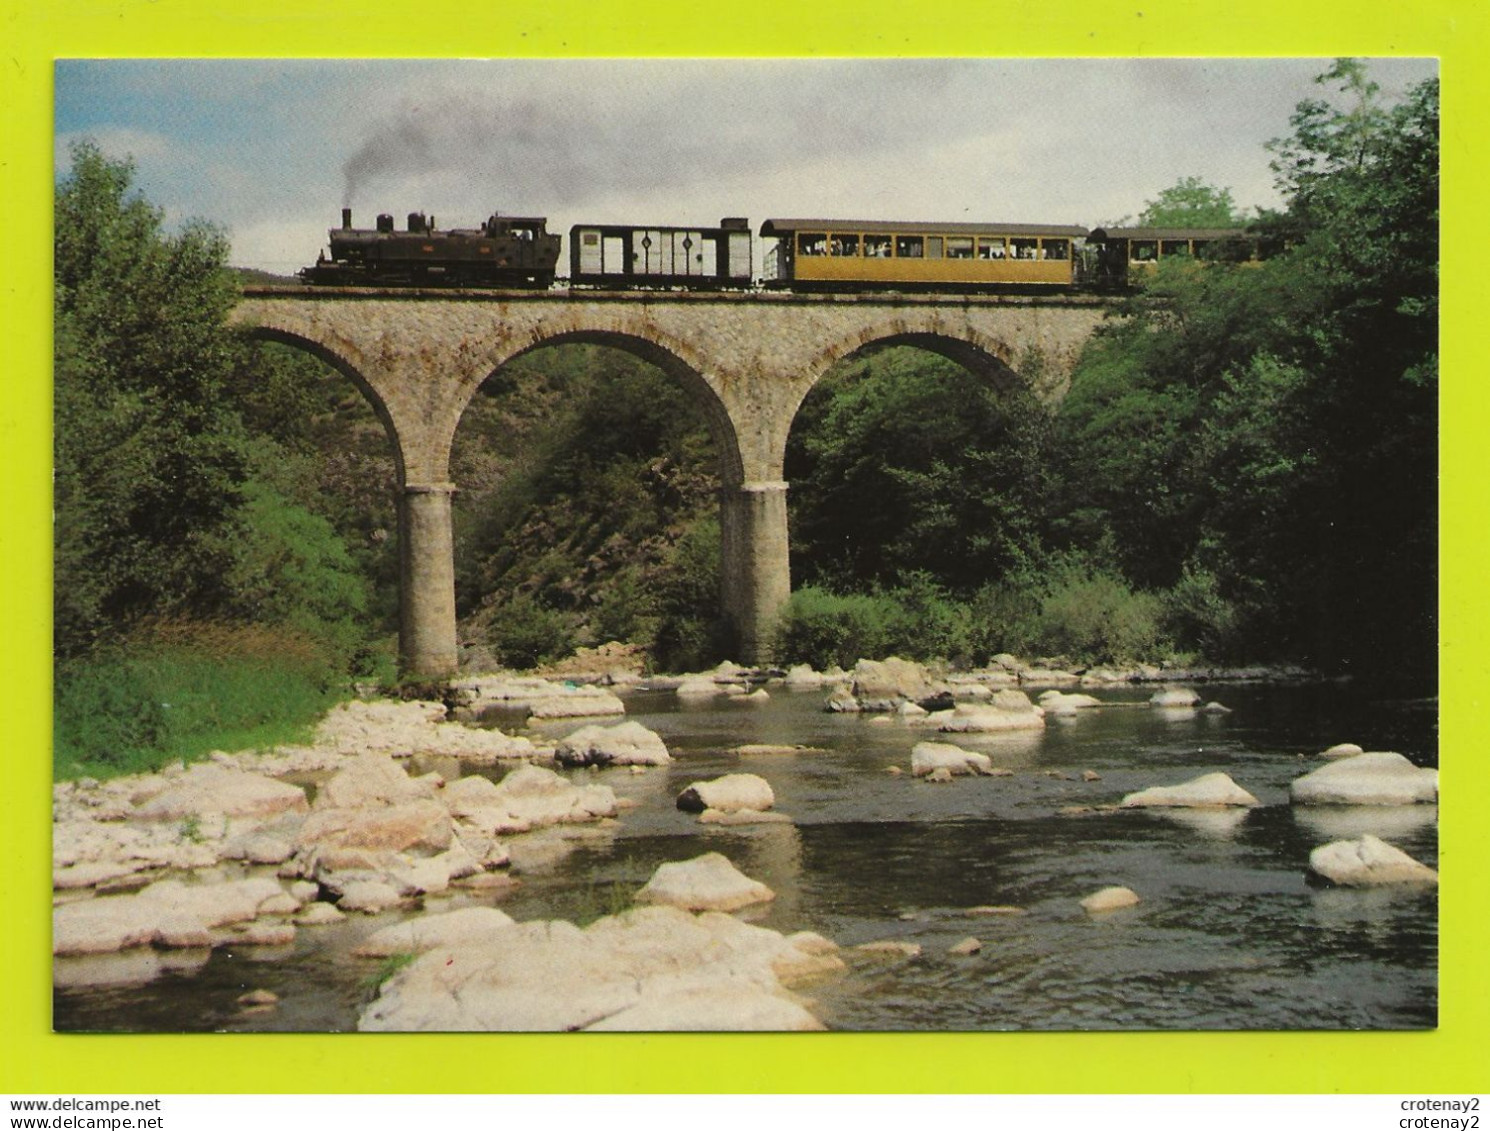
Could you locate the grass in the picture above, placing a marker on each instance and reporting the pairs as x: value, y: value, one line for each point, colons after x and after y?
x: 386, y: 969
x: 180, y: 693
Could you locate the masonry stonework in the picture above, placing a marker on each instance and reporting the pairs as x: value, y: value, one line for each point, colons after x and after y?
x: 748, y: 358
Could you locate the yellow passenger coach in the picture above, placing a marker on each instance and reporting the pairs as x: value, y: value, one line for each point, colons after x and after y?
x: 887, y: 255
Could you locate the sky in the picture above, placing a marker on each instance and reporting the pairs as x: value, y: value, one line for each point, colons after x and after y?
x: 272, y: 150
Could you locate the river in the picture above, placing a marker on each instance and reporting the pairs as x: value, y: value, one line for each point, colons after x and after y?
x: 1230, y: 933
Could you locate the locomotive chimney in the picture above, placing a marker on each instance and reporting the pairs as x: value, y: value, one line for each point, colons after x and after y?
x: 346, y: 219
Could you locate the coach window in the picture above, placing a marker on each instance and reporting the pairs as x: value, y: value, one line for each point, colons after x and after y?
x: 877, y: 247
x: 1143, y: 251
x: 1055, y: 249
x: 812, y: 243
x: 1174, y: 247
x: 991, y: 247
x: 843, y: 245
x: 1023, y: 248
x: 909, y: 247
x: 959, y: 247
x: 933, y: 247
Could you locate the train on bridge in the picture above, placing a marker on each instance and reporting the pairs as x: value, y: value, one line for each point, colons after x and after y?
x: 807, y: 255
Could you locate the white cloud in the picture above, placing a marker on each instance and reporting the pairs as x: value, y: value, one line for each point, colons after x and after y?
x: 281, y: 246
x: 117, y: 142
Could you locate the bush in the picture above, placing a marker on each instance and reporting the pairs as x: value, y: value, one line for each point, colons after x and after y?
x: 822, y: 628
x: 1072, y: 608
x: 1095, y: 617
x: 916, y: 620
x: 1199, y: 617
x: 523, y: 632
x: 181, y: 690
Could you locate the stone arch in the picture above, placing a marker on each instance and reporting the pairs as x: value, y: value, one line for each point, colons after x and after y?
x: 978, y: 352
x: 348, y: 370
x: 675, y: 358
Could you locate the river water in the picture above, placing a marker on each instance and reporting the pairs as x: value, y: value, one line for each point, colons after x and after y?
x: 1230, y: 933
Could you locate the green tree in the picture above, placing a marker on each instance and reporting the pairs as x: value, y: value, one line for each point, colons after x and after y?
x: 150, y: 457
x: 903, y: 462
x: 1191, y: 203
x: 1264, y: 437
x: 179, y: 491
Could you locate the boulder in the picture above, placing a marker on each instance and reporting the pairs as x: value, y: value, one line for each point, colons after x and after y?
x: 1208, y: 791
x: 533, y: 796
x: 99, y: 926
x: 417, y: 826
x: 991, y: 718
x: 400, y: 729
x: 469, y: 926
x: 698, y: 687
x: 651, y: 968
x: 626, y: 744
x: 1061, y: 703
x: 1373, y: 778
x: 469, y: 795
x: 169, y: 913
x: 259, y: 848
x: 927, y: 757
x: 576, y: 703
x: 264, y: 934
x: 729, y: 794
x: 1342, y: 750
x: 710, y: 1008
x: 801, y: 677
x: 882, y: 685
x: 319, y: 915
x: 1180, y: 697
x: 1048, y: 677
x: 1368, y: 862
x: 208, y: 788
x: 373, y: 780
x: 705, y: 883
x: 369, y: 896
x: 1109, y: 899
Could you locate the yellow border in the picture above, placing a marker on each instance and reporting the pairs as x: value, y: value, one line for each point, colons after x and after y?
x: 35, y: 32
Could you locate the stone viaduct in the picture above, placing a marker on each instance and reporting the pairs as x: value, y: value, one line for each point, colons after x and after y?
x: 749, y: 360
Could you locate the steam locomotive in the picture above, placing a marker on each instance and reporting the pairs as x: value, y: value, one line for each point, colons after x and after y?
x: 808, y: 255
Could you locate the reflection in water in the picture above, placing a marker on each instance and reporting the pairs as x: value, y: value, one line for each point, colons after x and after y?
x: 1350, y: 822
x: 1222, y: 824
x: 1230, y: 934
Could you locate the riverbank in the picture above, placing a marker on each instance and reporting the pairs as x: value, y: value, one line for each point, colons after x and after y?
x: 398, y: 816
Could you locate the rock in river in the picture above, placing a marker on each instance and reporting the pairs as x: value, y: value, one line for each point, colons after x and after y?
x: 1373, y: 778
x: 928, y: 757
x: 1109, y: 899
x: 1368, y: 862
x: 705, y: 883
x: 1208, y: 791
x: 731, y: 793
x: 626, y: 744
x: 655, y: 968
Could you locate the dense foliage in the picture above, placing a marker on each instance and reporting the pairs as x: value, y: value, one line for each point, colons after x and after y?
x: 902, y: 462
x: 1265, y: 436
x: 188, y: 508
x: 589, y: 512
